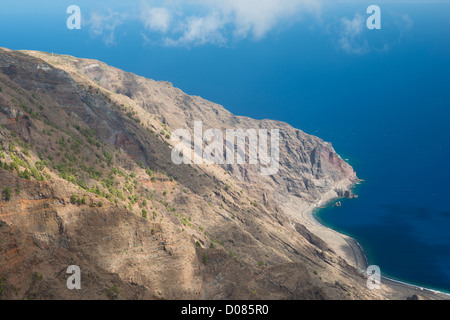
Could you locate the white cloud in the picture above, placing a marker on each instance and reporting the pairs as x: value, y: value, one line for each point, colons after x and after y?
x: 200, y: 30
x: 355, y: 38
x: 197, y: 22
x: 257, y: 17
x: 407, y: 21
x: 350, y: 39
x: 200, y: 22
x: 156, y: 19
x: 403, y: 21
x: 105, y: 25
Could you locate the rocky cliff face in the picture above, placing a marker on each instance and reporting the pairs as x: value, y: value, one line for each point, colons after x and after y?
x: 87, y: 179
x: 309, y: 166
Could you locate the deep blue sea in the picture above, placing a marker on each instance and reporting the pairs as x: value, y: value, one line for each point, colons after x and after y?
x: 387, y: 111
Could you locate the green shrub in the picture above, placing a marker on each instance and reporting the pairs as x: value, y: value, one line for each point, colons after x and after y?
x: 39, y: 165
x: 73, y: 199
x: 25, y: 174
x: 108, y: 158
x: 7, y: 193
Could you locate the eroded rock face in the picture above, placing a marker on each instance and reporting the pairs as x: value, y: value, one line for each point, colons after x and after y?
x: 309, y: 167
x: 205, y: 234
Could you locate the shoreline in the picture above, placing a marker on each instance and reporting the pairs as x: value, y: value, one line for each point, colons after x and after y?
x: 359, y: 260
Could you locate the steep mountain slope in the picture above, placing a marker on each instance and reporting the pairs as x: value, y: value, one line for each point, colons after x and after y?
x: 87, y: 179
x: 309, y: 166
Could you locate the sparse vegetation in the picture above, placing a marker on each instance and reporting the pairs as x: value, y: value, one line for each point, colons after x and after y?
x: 113, y: 292
x: 7, y: 193
x: 74, y: 199
x: 37, y: 276
x: 1, y: 285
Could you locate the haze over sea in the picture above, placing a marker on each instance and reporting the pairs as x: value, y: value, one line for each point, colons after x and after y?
x: 382, y: 97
